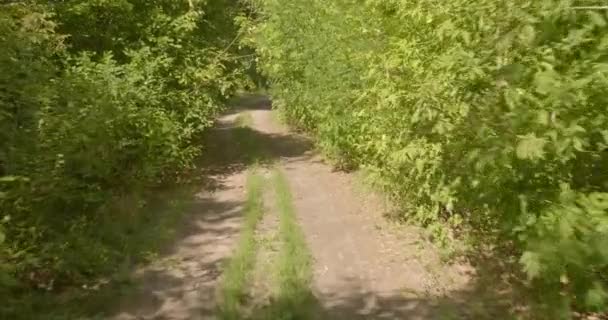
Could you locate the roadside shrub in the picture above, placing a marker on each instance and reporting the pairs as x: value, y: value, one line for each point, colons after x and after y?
x: 92, y: 117
x: 486, y: 114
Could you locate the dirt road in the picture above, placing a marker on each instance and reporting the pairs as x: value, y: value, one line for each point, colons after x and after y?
x: 364, y: 267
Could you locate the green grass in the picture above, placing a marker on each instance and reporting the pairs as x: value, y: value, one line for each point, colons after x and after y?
x: 294, y: 299
x: 238, y: 271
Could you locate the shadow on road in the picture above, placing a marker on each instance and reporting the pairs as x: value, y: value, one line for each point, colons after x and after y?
x: 181, y: 289
x: 181, y: 281
x: 484, y: 298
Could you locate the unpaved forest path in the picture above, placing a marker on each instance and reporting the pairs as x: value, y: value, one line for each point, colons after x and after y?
x: 363, y: 267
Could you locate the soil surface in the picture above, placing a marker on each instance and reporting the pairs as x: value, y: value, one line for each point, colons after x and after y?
x: 182, y: 284
x: 364, y: 266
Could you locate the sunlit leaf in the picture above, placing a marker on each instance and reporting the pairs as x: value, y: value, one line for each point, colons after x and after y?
x: 530, y: 147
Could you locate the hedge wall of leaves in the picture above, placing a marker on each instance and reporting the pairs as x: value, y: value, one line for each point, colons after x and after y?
x: 488, y: 114
x: 99, y: 100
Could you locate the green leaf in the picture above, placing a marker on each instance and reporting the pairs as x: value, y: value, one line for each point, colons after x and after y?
x: 530, y: 147
x: 528, y: 34
x: 6, y: 279
x: 543, y: 117
x: 531, y: 263
x: 597, y: 18
x: 596, y: 297
x: 8, y: 178
x: 546, y: 82
x: 13, y: 178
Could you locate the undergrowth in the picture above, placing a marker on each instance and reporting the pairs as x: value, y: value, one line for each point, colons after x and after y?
x: 486, y: 119
x: 101, y: 104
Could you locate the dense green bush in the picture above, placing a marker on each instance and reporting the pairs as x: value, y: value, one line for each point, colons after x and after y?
x: 487, y: 114
x: 99, y: 100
